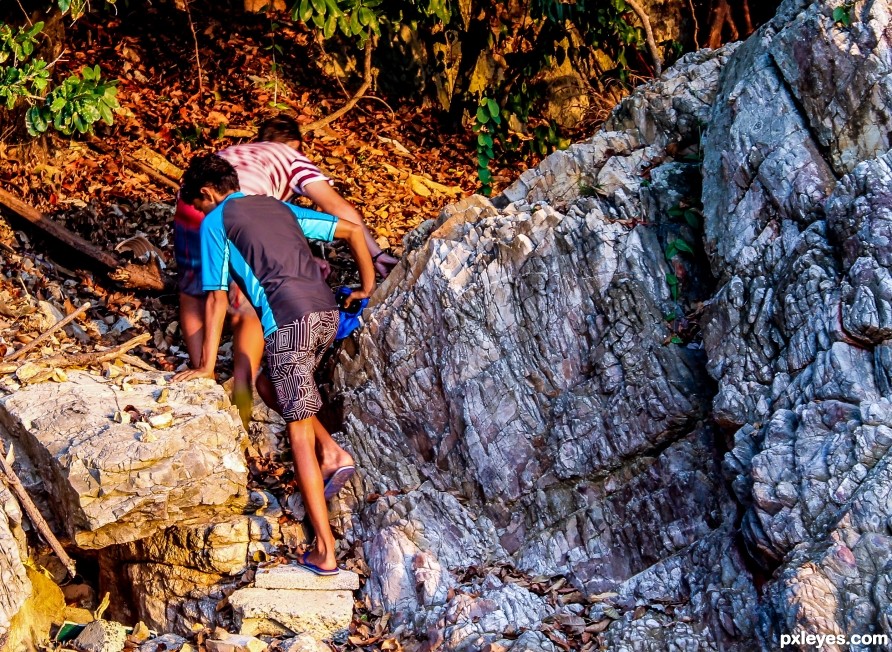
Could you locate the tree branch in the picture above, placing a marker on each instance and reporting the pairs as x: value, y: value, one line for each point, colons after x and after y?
x: 649, y: 35
x: 366, y: 83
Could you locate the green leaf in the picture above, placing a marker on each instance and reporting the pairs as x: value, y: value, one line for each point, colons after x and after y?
x: 675, y: 339
x: 58, y: 104
x: 483, y: 161
x: 692, y: 218
x: 319, y: 6
x: 676, y: 211
x: 493, y: 107
x: 35, y: 122
x: 843, y: 15
x: 64, y: 5
x: 482, y: 116
x: 671, y: 279
x: 107, y: 115
x: 319, y: 20
x: 497, y: 119
x: 671, y: 250
x: 333, y: 7
x: 485, y: 176
x: 331, y: 24
x: 365, y: 16
x: 682, y: 245
x: 483, y: 140
x: 356, y: 22
x: 306, y: 10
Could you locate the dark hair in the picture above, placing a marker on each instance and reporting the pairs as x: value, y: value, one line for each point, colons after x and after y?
x: 280, y: 129
x: 208, y: 170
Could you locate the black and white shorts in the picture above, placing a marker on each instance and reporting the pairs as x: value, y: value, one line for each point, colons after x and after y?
x: 292, y: 354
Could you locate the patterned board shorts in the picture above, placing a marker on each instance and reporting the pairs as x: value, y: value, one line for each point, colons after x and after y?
x: 292, y: 354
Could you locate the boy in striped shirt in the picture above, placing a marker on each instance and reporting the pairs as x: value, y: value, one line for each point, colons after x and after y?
x: 273, y: 167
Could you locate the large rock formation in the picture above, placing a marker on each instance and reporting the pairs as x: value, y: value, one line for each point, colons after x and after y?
x: 123, y: 458
x: 15, y: 586
x: 532, y: 388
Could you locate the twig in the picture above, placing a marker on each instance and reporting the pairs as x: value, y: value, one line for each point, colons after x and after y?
x: 195, y: 40
x: 649, y: 35
x: 139, y: 363
x: 33, y: 513
x: 696, y: 25
x: 83, y: 359
x: 366, y: 83
x: 27, y: 17
x: 375, y: 97
x: 52, y: 329
x: 142, y: 167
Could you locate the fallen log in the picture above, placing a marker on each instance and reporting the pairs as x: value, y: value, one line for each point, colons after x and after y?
x: 128, y: 275
x: 33, y: 513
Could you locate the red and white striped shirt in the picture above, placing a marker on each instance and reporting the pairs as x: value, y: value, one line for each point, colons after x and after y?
x: 273, y: 169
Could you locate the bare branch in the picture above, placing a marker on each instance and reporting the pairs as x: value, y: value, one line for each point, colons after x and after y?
x: 366, y: 83
x: 649, y: 35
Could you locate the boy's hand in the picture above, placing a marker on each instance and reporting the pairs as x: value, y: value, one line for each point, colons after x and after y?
x: 356, y: 295
x: 189, y: 374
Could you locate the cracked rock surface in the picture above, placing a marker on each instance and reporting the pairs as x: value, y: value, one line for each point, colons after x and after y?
x: 519, y: 397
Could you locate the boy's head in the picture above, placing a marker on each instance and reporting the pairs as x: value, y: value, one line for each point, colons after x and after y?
x: 281, y: 129
x: 207, y: 181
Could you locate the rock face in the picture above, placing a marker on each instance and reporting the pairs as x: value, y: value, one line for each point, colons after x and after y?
x: 111, y: 481
x: 177, y: 578
x: 796, y: 217
x: 532, y: 388
x: 15, y: 586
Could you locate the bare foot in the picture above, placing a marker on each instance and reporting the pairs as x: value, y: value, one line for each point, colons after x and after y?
x: 328, y: 467
x: 321, y: 560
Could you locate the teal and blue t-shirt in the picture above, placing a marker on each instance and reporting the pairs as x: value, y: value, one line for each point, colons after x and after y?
x: 261, y: 244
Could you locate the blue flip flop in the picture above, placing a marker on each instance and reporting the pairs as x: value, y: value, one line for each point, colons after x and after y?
x: 337, y: 480
x: 313, y: 568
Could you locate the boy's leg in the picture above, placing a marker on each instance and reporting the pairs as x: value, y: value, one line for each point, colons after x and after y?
x: 192, y: 325
x: 329, y: 453
x: 247, y: 352
x: 309, y: 477
x: 291, y: 355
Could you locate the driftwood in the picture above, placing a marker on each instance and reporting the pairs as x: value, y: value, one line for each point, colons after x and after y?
x: 33, y: 513
x: 157, y: 175
x: 81, y: 359
x: 44, y: 336
x: 136, y: 277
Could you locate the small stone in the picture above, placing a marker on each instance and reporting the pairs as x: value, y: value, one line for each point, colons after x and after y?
x: 235, y: 643
x: 301, y: 643
x: 163, y: 420
x: 101, y: 636
x: 164, y: 643
x: 298, y: 578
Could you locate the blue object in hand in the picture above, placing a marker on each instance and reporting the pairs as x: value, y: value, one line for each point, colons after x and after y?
x: 350, y: 316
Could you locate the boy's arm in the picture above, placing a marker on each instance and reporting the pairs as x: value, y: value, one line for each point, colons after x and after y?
x: 214, y: 316
x: 322, y: 226
x: 354, y: 236
x: 214, y: 281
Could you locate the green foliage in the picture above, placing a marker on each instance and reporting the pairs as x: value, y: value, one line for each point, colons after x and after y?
x: 843, y: 15
x: 353, y: 18
x: 486, y: 122
x: 75, y: 105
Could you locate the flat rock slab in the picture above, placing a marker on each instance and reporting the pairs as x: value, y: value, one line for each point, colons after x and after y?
x: 297, y: 578
x: 114, y: 482
x: 286, y: 612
